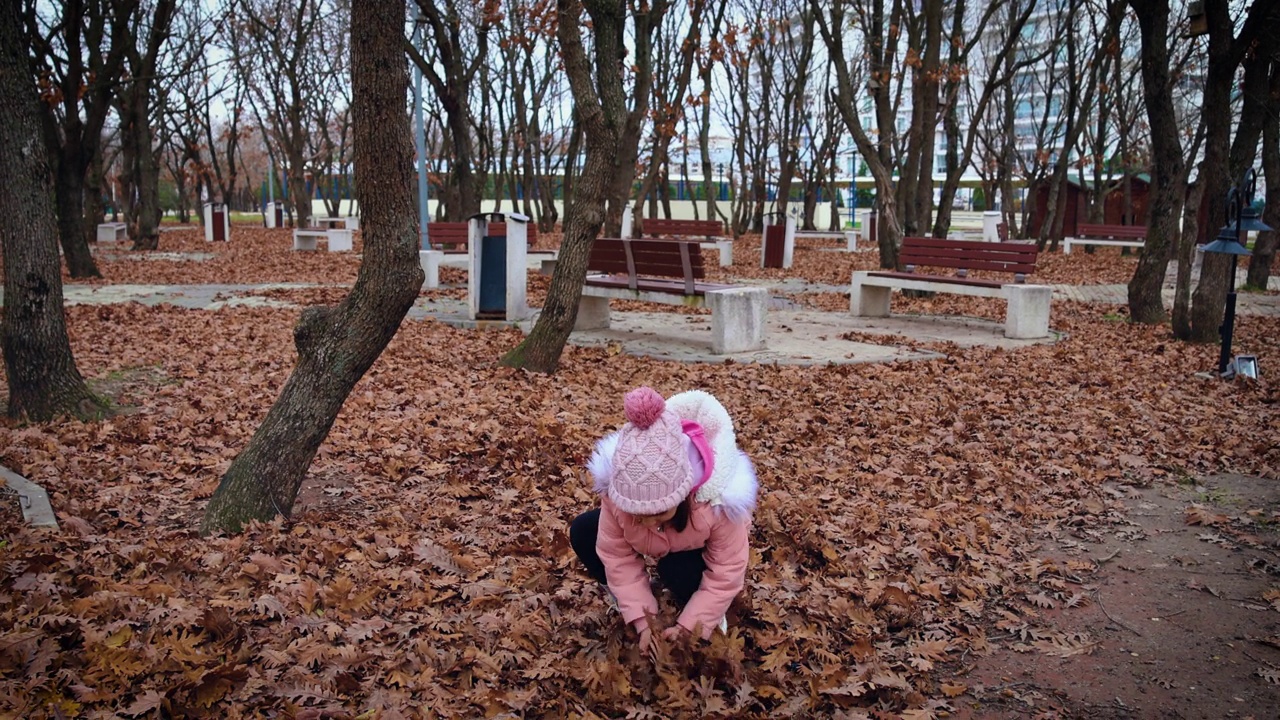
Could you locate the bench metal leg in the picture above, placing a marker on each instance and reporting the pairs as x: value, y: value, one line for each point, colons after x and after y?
x: 868, y: 300
x: 593, y: 313
x: 737, y: 319
x: 430, y: 262
x: 1027, y: 316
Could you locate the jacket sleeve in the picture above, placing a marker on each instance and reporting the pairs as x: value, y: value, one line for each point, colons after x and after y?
x: 726, y: 555
x: 624, y: 568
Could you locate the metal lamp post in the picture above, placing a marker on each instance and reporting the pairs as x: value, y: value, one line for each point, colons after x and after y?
x: 1242, y: 218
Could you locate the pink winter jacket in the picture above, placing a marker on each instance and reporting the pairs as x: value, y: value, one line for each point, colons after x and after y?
x: 719, y: 523
x: 621, y: 543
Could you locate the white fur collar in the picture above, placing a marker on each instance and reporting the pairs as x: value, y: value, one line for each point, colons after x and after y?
x: 732, y: 486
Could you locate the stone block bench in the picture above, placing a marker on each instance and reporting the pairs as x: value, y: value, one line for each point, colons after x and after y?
x: 1133, y: 236
x: 1027, y: 311
x: 112, y: 231
x: 670, y: 272
x: 335, y: 239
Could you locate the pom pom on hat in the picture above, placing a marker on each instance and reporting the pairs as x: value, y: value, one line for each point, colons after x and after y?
x: 643, y: 406
x: 651, y: 466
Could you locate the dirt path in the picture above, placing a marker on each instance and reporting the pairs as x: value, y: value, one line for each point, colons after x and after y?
x: 1181, y: 618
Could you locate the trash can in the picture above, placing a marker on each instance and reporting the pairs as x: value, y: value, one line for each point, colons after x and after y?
x: 871, y: 232
x: 217, y: 223
x: 774, y: 244
x: 498, y: 250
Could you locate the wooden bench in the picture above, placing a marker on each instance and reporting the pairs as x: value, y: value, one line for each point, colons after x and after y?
x: 336, y: 239
x: 1027, y: 312
x: 112, y: 231
x: 711, y: 230
x: 670, y: 272
x: 1114, y: 235
x: 850, y: 237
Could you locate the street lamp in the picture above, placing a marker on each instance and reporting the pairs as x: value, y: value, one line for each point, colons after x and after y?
x: 1241, y: 212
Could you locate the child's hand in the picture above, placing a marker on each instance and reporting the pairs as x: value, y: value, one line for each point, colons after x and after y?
x: 673, y: 633
x: 646, y: 641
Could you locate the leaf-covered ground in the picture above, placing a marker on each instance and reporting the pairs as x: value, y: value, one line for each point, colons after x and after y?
x: 426, y: 570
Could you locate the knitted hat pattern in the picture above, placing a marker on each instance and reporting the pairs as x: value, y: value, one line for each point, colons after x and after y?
x: 651, y: 472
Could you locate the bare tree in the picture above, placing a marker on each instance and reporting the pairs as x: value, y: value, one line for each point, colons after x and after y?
x: 80, y: 49
x: 337, y: 345
x: 611, y: 131
x: 42, y: 375
x: 459, y: 34
x: 135, y: 105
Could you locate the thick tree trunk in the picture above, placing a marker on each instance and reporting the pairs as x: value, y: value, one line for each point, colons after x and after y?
x: 42, y: 375
x: 337, y: 345
x: 1167, y: 188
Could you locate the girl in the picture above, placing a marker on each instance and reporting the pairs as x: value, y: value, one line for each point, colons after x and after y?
x: 673, y: 485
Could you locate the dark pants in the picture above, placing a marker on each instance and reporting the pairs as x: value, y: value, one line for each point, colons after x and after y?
x: 681, y: 572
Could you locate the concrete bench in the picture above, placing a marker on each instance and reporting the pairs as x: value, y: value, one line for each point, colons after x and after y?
x: 349, y: 223
x: 336, y: 239
x: 1133, y: 236
x: 670, y: 272
x: 112, y: 231
x: 1027, y: 306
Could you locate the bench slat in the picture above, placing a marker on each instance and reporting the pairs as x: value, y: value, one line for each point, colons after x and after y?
x: 656, y: 284
x: 1092, y: 230
x: 658, y: 226
x: 974, y: 282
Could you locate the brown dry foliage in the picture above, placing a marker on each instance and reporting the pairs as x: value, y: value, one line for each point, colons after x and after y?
x: 426, y: 570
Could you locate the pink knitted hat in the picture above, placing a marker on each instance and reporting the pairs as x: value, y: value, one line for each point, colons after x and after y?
x: 651, y: 472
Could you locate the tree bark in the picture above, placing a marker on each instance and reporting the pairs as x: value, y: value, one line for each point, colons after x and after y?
x: 1167, y: 188
x: 337, y: 345
x: 43, y: 379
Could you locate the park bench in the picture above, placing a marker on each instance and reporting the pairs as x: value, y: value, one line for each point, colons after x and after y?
x: 1027, y: 311
x: 670, y: 272
x: 336, y: 239
x: 112, y: 231
x: 1114, y: 235
x: 712, y: 231
x: 350, y: 223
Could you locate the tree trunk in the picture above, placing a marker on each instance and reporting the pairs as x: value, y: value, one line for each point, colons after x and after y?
x: 337, y: 345
x: 42, y: 375
x: 1225, y: 54
x: 611, y: 133
x: 1167, y: 190
x: 1185, y: 257
x: 94, y: 208
x: 1264, y: 249
x: 69, y: 189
